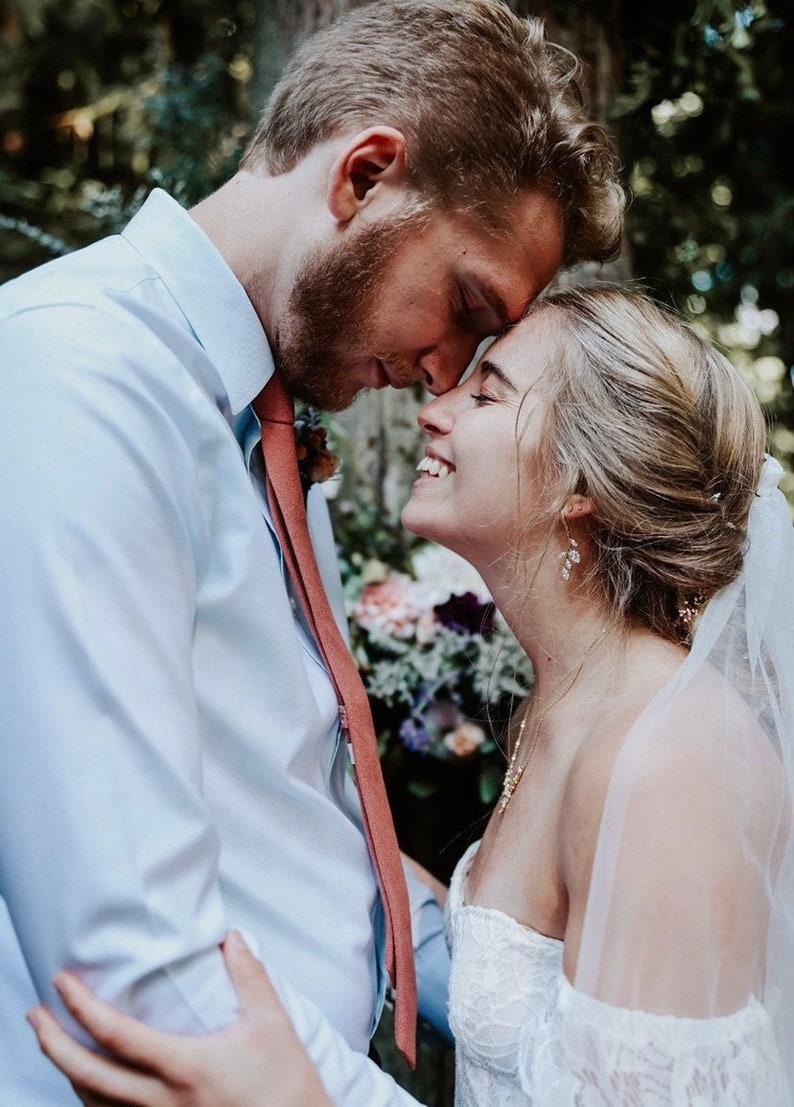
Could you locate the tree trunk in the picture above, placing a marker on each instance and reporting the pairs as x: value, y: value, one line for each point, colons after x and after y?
x: 280, y: 27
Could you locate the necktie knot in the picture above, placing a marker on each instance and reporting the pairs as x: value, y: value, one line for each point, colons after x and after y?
x: 274, y: 404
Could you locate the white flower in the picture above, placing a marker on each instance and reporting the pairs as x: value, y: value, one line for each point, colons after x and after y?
x: 442, y: 573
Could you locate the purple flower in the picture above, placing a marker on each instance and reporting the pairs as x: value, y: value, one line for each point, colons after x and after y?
x: 414, y: 736
x: 466, y: 614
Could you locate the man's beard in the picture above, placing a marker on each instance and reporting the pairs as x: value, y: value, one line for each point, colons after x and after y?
x: 328, y: 327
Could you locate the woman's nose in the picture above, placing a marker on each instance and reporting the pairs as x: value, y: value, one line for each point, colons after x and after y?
x: 437, y: 417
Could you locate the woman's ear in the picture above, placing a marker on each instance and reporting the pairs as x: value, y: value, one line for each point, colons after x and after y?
x: 577, y: 506
x: 369, y: 159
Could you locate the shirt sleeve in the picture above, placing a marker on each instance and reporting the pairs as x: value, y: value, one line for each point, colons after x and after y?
x: 350, y: 1079
x: 432, y: 958
x: 581, y: 1050
x: 108, y: 852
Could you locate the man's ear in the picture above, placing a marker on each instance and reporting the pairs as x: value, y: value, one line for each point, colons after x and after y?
x: 372, y: 157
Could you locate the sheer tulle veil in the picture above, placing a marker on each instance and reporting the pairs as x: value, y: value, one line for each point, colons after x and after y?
x: 695, y: 853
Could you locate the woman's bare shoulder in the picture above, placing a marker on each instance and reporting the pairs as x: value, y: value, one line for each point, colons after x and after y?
x: 686, y: 760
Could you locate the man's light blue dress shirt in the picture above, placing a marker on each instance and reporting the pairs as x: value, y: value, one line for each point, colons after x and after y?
x: 169, y: 756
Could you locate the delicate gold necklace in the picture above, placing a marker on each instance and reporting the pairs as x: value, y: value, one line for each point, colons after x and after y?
x: 515, y: 772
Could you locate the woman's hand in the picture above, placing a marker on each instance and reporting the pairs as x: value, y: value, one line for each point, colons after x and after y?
x: 257, y: 1061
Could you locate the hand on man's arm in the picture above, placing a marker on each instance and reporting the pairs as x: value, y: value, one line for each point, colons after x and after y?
x: 258, y: 1059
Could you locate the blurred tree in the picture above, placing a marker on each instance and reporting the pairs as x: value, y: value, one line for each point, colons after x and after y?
x: 281, y: 25
x: 704, y: 108
x: 100, y: 99
x: 700, y: 97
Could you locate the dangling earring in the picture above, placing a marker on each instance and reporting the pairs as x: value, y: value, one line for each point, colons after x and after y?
x: 569, y: 557
x: 686, y: 616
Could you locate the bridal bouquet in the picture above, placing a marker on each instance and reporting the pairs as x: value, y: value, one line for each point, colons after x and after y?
x: 441, y: 667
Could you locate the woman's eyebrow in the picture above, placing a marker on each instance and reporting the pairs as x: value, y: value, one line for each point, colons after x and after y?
x: 491, y: 369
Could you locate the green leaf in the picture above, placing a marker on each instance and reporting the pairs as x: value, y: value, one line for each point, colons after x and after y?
x: 422, y: 789
x: 491, y: 778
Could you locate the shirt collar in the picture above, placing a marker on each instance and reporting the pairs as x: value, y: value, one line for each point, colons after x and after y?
x: 209, y: 295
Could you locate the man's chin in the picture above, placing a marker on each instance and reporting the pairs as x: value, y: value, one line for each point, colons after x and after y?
x: 317, y: 387
x: 335, y: 403
x: 326, y: 386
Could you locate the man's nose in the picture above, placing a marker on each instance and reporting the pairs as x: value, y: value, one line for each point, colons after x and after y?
x: 444, y: 364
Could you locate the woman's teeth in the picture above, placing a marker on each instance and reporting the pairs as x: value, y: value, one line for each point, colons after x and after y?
x: 434, y: 467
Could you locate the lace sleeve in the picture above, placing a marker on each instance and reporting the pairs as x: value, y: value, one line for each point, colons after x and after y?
x: 585, y: 1052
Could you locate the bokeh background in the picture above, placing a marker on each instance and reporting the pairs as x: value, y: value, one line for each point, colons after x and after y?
x: 101, y: 100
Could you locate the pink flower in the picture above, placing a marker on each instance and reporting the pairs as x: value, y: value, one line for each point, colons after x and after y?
x: 392, y: 606
x: 464, y: 739
x: 426, y: 627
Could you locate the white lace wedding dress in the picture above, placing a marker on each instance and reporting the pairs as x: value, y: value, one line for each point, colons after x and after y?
x: 524, y: 1036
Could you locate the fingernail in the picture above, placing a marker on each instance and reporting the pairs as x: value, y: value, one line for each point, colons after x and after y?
x: 246, y: 940
x: 234, y: 941
x: 242, y: 940
x: 34, y: 1020
x: 60, y: 985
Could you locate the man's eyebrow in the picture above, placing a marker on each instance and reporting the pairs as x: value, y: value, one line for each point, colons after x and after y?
x: 491, y: 369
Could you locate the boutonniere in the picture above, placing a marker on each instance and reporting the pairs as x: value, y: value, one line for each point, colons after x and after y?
x: 316, y: 462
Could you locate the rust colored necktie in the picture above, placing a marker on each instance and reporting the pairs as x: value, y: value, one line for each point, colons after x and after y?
x: 276, y: 413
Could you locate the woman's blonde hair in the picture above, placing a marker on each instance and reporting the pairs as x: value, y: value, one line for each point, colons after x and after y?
x: 665, y: 436
x: 488, y: 106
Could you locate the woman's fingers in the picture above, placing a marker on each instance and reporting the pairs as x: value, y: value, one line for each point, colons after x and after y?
x: 251, y: 982
x: 91, y: 1075
x: 266, y: 1036
x: 258, y: 1051
x: 127, y: 1039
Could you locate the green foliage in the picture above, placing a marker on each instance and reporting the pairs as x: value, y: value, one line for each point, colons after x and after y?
x: 184, y: 120
x: 706, y: 106
x: 363, y: 535
x: 102, y: 100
